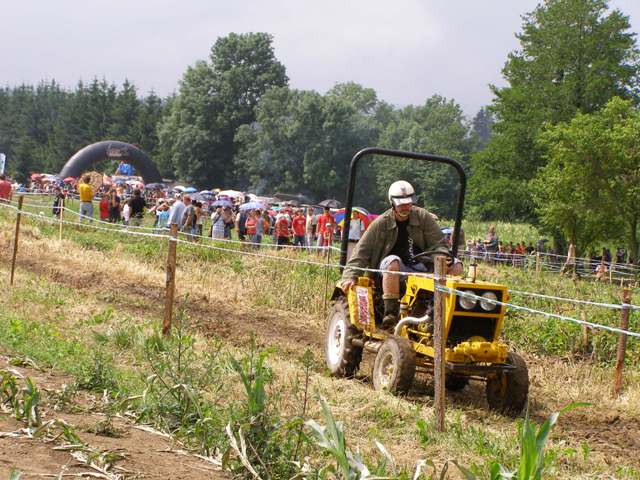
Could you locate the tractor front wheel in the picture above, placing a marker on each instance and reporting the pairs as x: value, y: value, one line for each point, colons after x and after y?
x: 343, y: 357
x: 507, y: 391
x: 395, y: 366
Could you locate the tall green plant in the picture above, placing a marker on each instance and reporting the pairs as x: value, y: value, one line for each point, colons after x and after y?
x: 532, y: 450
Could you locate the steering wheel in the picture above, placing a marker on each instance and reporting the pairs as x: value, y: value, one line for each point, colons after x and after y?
x: 427, y: 257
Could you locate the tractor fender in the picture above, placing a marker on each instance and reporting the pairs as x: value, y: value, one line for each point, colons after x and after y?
x: 337, y: 293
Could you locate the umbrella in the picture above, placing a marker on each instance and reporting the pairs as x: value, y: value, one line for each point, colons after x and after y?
x: 331, y: 203
x: 190, y: 190
x: 357, y: 211
x: 222, y: 203
x: 36, y: 176
x: 69, y: 180
x: 253, y: 206
x: 298, y: 197
x: 155, y: 186
x: 206, y: 192
x: 231, y: 193
x: 197, y: 197
x: 179, y: 188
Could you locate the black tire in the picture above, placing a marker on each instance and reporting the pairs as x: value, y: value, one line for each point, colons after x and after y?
x: 342, y: 356
x: 507, y: 391
x: 455, y: 383
x: 395, y: 366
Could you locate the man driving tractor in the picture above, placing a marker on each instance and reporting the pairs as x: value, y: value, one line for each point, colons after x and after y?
x: 392, y: 242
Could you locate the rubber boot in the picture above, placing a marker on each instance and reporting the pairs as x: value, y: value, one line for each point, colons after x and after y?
x: 391, y: 314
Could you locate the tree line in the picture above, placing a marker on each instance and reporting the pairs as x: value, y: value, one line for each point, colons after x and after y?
x: 235, y: 122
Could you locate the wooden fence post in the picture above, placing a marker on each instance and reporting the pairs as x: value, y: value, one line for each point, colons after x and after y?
x: 585, y: 334
x: 60, y: 216
x: 326, y: 280
x: 170, y: 286
x: 622, y: 341
x: 538, y: 266
x: 15, y: 240
x: 439, y: 342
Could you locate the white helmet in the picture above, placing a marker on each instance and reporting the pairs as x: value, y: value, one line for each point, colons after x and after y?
x: 401, y: 192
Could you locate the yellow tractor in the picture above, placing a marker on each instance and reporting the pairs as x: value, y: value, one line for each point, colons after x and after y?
x: 473, y: 323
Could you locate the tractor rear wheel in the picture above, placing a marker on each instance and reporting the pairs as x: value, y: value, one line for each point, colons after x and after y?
x: 395, y: 366
x: 342, y: 356
x: 507, y: 391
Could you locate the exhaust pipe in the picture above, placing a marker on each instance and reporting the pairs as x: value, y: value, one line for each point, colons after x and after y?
x: 411, y: 321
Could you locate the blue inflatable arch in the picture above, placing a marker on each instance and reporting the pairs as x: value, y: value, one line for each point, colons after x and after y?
x: 111, y: 150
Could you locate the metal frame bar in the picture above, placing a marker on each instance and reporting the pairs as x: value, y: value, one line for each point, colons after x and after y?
x: 400, y: 154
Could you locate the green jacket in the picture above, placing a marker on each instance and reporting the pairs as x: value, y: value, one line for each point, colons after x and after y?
x: 379, y: 239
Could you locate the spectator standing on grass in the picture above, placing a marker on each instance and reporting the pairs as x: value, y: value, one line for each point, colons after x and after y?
x: 162, y: 216
x: 356, y: 229
x: 282, y: 231
x: 229, y: 221
x: 310, y: 226
x: 241, y: 220
x: 326, y: 227
x: 137, y: 205
x: 114, y: 206
x: 267, y: 222
x: 199, y: 218
x: 5, y: 188
x: 188, y: 224
x: 104, y: 207
x: 126, y: 212
x: 299, y: 225
x: 491, y: 241
x: 175, y: 213
x: 58, y: 201
x: 85, y: 191
x: 217, y: 223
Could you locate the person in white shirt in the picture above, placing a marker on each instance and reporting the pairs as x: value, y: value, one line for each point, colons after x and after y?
x: 356, y: 229
x: 175, y: 213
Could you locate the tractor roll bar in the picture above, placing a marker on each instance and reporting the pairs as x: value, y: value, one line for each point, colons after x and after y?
x: 401, y: 154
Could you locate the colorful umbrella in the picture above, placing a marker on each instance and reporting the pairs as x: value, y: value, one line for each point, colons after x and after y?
x: 69, y: 180
x: 36, y: 176
x: 222, y: 203
x: 360, y: 213
x: 331, y: 203
x: 253, y: 206
x: 190, y: 190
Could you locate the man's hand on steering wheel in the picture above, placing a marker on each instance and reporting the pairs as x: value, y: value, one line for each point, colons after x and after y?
x: 454, y: 267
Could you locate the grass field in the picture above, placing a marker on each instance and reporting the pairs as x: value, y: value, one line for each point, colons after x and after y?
x: 250, y: 352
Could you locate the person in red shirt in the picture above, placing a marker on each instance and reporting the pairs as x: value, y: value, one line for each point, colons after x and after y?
x: 5, y: 188
x: 326, y: 227
x: 282, y: 231
x: 104, y: 207
x: 299, y: 225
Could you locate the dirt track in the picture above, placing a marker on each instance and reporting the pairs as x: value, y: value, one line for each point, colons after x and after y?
x: 147, y: 455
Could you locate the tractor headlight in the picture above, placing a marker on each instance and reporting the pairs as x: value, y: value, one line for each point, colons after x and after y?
x: 468, y: 303
x: 489, y: 306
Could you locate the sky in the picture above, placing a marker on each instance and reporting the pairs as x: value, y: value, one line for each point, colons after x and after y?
x: 407, y: 50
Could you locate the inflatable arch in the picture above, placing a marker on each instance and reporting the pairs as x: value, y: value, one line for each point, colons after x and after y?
x: 112, y: 150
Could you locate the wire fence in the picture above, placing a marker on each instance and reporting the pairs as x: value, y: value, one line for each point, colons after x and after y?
x: 248, y: 249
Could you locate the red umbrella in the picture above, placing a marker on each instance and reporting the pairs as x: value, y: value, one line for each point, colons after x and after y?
x: 36, y: 176
x: 69, y: 180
